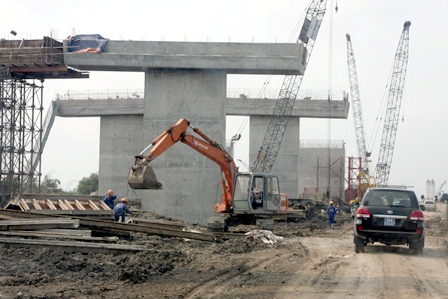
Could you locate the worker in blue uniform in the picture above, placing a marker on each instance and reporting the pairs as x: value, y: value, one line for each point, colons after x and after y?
x: 110, y: 198
x: 331, y: 212
x: 120, y: 210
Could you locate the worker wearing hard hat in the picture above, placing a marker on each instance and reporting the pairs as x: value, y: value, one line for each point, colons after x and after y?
x: 110, y: 198
x: 331, y: 212
x: 120, y: 210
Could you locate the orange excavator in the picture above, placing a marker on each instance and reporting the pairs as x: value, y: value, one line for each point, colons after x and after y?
x: 247, y: 196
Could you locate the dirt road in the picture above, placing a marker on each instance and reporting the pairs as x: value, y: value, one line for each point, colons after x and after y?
x: 326, y: 266
x: 312, y: 262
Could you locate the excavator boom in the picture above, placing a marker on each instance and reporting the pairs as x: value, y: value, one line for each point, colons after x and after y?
x: 142, y: 176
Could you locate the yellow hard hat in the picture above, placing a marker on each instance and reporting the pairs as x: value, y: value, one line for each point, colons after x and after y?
x: 331, y: 202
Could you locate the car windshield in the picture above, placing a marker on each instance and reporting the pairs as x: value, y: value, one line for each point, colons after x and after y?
x: 390, y: 198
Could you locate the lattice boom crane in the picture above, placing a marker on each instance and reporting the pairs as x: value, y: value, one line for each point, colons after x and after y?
x: 357, y: 109
x: 288, y: 93
x: 383, y: 165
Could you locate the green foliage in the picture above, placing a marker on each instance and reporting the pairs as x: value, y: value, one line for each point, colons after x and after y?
x: 50, y: 186
x: 88, y: 185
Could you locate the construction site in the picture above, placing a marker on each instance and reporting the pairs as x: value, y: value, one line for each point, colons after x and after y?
x: 199, y: 227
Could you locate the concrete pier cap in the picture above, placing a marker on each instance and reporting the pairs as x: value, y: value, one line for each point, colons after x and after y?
x: 182, y: 80
x: 233, y: 58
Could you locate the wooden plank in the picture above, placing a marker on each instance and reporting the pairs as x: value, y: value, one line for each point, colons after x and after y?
x: 50, y: 205
x: 70, y: 232
x: 104, y: 206
x: 62, y: 197
x: 83, y: 213
x: 152, y: 230
x: 68, y: 205
x: 79, y: 205
x: 36, y: 204
x: 66, y: 246
x: 62, y: 205
x: 24, y: 205
x: 112, y: 225
x: 39, y: 234
x: 93, y: 206
x: 142, y: 221
x: 6, y: 217
x: 37, y: 224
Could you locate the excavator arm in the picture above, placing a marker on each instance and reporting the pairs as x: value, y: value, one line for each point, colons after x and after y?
x: 142, y: 176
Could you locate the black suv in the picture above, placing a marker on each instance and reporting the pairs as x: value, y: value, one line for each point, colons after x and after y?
x: 391, y: 217
x: 444, y: 198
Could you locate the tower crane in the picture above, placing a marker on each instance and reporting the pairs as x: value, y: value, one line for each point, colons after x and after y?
x: 384, y: 161
x: 356, y: 106
x: 289, y: 90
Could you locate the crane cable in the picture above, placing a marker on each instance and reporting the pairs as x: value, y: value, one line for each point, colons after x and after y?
x: 330, y: 78
x: 381, y: 113
x: 292, y: 36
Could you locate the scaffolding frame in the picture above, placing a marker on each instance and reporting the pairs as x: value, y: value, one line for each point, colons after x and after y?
x: 21, y: 133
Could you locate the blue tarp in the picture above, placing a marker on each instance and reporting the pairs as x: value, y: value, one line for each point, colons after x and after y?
x: 85, y: 41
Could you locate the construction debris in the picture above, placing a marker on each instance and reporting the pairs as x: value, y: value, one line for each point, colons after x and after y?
x: 266, y: 236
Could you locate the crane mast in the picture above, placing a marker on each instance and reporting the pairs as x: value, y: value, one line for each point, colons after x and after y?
x: 357, y: 109
x: 383, y: 166
x: 288, y: 93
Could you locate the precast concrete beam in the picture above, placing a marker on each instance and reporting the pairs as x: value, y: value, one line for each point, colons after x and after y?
x: 232, y: 58
x: 234, y: 106
x: 302, y: 108
x: 92, y: 108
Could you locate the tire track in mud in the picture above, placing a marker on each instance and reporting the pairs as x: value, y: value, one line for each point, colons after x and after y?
x: 318, y: 275
x: 221, y: 283
x: 329, y: 258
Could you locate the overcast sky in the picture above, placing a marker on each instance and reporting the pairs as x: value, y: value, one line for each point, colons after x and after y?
x: 375, y: 27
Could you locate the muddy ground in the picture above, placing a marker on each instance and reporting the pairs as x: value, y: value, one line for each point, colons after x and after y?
x: 312, y: 261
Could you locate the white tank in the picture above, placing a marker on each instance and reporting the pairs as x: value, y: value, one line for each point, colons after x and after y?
x: 430, y: 189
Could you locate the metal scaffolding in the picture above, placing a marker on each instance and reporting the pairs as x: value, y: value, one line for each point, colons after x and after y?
x: 24, y: 65
x: 21, y: 134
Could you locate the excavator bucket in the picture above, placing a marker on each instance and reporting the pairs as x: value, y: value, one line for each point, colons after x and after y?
x: 143, y: 177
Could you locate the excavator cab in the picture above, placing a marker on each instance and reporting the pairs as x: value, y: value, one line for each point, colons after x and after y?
x: 256, y: 193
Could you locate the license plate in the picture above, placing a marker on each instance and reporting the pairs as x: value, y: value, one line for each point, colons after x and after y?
x: 389, y: 221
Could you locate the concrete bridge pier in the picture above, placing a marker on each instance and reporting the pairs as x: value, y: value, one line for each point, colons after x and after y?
x: 198, y: 96
x: 286, y: 165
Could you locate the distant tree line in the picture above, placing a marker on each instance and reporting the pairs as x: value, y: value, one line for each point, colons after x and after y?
x: 86, y: 185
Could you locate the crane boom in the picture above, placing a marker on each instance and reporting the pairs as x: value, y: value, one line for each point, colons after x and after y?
x: 357, y: 109
x: 383, y: 165
x: 289, y: 90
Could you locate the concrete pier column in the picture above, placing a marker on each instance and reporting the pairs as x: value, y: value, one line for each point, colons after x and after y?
x: 191, y: 182
x: 286, y: 165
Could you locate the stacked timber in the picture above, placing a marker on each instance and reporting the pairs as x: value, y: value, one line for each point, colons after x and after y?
x: 50, y: 204
x: 19, y: 228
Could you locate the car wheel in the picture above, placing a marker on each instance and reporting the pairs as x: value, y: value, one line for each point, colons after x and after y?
x: 416, y: 247
x: 359, y: 245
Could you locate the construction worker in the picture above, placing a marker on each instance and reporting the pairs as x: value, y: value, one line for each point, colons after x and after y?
x: 110, y: 198
x: 331, y: 211
x: 121, y: 209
